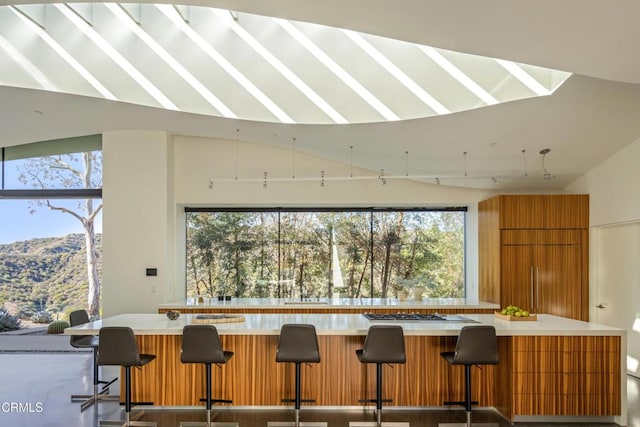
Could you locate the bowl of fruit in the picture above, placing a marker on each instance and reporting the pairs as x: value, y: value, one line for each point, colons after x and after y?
x: 513, y: 312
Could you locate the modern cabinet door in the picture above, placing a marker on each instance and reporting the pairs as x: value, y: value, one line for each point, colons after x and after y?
x: 517, y: 277
x: 558, y: 280
x: 543, y: 278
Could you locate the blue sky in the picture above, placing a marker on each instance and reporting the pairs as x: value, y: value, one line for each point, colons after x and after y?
x: 16, y: 223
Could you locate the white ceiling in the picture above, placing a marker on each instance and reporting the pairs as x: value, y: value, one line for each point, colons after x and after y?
x: 590, y: 117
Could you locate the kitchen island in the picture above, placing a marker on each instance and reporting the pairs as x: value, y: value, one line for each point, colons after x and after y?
x: 550, y: 368
x: 329, y: 305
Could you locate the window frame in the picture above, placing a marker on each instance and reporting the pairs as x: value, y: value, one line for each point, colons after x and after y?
x: 370, y: 210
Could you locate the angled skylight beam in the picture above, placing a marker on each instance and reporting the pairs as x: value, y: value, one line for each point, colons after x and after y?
x: 171, y: 61
x: 457, y: 74
x: 338, y: 70
x: 149, y: 87
x: 170, y: 13
x: 396, y: 72
x: 282, y: 69
x: 524, y: 77
x: 28, y: 66
x: 65, y: 56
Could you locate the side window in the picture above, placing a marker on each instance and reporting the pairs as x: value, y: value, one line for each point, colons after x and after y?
x: 50, y: 236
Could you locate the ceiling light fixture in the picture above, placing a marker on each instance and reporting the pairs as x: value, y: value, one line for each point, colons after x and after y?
x: 544, y: 153
x: 351, y: 161
x: 465, y: 163
x: 293, y: 159
x: 406, y: 163
x: 382, y: 176
x: 237, y: 146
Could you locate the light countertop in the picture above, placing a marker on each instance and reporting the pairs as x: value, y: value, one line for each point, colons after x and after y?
x: 349, y: 324
x: 331, y: 303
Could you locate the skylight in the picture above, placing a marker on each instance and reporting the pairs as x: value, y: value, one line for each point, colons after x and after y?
x: 231, y: 64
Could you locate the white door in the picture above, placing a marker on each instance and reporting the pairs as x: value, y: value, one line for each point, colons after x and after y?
x: 616, y: 254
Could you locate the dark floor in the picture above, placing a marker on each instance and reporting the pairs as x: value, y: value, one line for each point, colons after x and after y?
x: 35, y: 389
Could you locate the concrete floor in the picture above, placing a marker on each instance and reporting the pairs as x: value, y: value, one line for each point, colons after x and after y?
x: 35, y: 389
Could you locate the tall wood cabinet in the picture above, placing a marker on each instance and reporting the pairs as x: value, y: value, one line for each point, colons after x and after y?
x: 534, y: 253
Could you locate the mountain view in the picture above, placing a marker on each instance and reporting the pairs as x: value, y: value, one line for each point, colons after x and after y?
x: 45, y: 274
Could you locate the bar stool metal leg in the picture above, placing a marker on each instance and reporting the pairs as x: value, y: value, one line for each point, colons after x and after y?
x: 128, y: 419
x: 383, y: 344
x: 476, y: 345
x: 103, y: 395
x: 378, y: 422
x: 209, y: 401
x: 298, y: 344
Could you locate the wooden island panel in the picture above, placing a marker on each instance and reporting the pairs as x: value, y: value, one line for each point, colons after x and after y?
x: 253, y: 378
x: 552, y: 367
x: 566, y: 375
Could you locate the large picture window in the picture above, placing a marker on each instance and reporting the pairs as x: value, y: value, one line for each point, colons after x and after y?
x: 50, y: 239
x: 318, y: 253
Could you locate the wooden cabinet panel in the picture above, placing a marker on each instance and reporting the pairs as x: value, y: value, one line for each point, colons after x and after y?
x: 542, y: 404
x: 534, y: 253
x: 522, y: 211
x: 547, y: 211
x: 558, y: 280
x: 541, y: 237
x: 517, y: 277
x: 566, y: 375
x: 543, y: 278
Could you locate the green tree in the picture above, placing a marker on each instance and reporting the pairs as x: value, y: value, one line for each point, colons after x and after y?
x: 83, y: 170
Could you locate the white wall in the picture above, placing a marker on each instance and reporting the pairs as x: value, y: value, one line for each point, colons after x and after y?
x: 149, y: 177
x: 613, y: 188
x: 138, y: 221
x: 614, y: 201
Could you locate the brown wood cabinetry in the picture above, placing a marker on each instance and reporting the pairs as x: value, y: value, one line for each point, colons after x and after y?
x: 566, y: 375
x: 533, y: 253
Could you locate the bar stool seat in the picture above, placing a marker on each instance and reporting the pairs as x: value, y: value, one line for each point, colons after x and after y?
x: 118, y: 347
x: 384, y: 344
x: 201, y: 344
x: 80, y: 317
x: 476, y: 345
x: 298, y: 344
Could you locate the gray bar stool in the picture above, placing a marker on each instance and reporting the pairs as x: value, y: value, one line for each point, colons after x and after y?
x: 476, y: 345
x: 80, y: 317
x: 118, y: 347
x: 383, y: 344
x: 297, y: 344
x: 201, y: 344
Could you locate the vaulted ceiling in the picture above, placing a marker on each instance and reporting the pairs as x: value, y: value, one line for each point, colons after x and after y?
x: 360, y: 81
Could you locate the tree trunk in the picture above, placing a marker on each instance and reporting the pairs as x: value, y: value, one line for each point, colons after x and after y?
x: 93, y: 297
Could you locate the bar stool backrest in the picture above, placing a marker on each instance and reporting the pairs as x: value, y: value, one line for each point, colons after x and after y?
x: 298, y: 343
x: 80, y: 317
x: 477, y: 345
x: 118, y: 346
x: 201, y: 344
x: 384, y: 344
